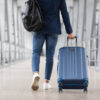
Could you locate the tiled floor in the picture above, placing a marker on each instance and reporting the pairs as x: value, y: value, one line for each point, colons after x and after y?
x: 15, y: 83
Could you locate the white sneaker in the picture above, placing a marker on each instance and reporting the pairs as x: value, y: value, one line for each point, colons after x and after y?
x: 35, y: 81
x: 46, y: 86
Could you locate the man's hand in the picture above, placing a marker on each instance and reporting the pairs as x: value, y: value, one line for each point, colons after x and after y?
x: 71, y: 36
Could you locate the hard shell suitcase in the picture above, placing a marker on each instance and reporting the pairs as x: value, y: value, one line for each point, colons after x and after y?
x: 72, y: 68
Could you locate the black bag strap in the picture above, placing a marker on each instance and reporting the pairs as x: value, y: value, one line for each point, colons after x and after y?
x: 37, y: 3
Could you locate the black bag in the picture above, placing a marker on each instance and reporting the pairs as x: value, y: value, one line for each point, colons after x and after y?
x: 32, y: 18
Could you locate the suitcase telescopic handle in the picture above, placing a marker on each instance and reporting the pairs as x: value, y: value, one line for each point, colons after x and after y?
x: 75, y: 37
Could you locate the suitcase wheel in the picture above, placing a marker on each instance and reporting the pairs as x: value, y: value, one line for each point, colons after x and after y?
x: 85, y: 90
x: 85, y: 86
x: 60, y: 89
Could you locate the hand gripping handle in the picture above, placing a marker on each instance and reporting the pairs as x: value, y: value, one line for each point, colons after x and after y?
x: 75, y: 37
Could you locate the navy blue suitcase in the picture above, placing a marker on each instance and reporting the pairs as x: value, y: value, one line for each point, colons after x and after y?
x: 72, y: 68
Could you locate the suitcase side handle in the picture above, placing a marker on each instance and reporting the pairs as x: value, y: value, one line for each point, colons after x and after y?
x: 75, y: 37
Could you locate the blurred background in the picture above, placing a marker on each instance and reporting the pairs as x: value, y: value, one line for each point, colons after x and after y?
x: 16, y: 47
x: 16, y: 42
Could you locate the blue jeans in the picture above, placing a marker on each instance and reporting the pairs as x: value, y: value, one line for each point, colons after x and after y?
x: 38, y: 41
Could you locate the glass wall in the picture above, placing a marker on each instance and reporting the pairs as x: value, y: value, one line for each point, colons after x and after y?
x: 14, y: 46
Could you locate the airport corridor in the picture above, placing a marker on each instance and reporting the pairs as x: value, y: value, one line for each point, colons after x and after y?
x: 16, y: 52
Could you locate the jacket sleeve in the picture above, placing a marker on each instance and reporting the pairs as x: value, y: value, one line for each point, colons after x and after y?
x: 65, y: 16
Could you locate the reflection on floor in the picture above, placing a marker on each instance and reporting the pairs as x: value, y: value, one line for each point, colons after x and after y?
x: 15, y: 84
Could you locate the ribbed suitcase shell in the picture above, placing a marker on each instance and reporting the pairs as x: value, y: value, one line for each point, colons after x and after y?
x: 72, y: 68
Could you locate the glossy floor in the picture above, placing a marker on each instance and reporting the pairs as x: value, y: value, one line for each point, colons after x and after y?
x: 15, y: 82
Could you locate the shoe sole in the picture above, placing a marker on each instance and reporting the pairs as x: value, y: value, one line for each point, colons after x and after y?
x: 46, y: 88
x: 35, y: 83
